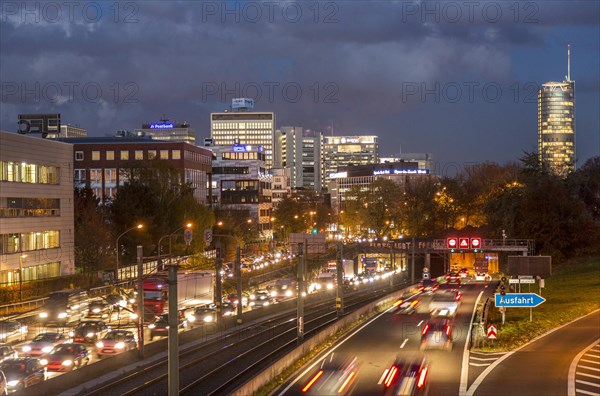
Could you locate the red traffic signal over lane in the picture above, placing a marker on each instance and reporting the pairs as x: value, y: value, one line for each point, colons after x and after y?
x: 475, y: 243
x: 463, y: 243
x: 452, y: 243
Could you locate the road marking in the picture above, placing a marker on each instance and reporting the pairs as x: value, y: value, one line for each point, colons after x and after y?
x: 488, y: 370
x: 478, y: 358
x: 383, y: 376
x: 464, y: 372
x: 404, y: 343
x: 287, y: 388
x: 587, y: 393
x: 590, y: 361
x: 587, y: 383
x: 587, y: 375
x: 479, y: 364
x: 592, y: 355
x: 571, y: 391
x: 420, y: 323
x: 589, y: 368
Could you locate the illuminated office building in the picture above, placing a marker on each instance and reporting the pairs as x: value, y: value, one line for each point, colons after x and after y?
x: 300, y: 151
x: 340, y: 152
x: 556, y: 125
x: 246, y: 128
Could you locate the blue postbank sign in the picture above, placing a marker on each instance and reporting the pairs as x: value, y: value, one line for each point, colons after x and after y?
x: 519, y: 300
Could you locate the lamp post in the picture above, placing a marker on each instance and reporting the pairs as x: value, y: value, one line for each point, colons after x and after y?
x: 137, y: 227
x: 21, y: 257
x: 238, y: 276
x: 188, y: 225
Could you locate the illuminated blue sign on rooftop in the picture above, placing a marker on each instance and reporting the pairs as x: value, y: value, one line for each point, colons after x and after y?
x: 245, y: 148
x: 401, y: 172
x: 161, y: 126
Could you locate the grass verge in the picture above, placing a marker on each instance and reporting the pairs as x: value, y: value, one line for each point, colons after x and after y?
x: 571, y: 293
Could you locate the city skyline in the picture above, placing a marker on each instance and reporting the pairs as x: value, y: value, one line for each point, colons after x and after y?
x: 464, y: 88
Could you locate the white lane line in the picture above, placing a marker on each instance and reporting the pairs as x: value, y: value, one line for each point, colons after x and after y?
x: 382, y: 376
x: 287, y: 388
x: 590, y: 361
x: 587, y: 375
x: 587, y: 392
x: 489, y: 353
x: 404, y: 343
x: 479, y: 364
x: 588, y: 368
x: 464, y: 372
x: 420, y: 323
x: 478, y: 358
x: 488, y: 370
x: 588, y: 383
x: 591, y: 355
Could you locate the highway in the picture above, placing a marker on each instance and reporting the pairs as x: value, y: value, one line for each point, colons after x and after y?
x: 377, y: 344
x: 542, y: 366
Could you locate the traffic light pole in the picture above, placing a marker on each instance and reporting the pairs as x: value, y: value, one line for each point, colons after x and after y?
x: 238, y: 276
x: 218, y: 287
x: 140, y: 300
x: 173, y: 342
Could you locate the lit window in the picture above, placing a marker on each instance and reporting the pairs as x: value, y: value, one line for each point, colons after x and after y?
x: 139, y: 154
x: 164, y: 154
x: 176, y: 154
x: 124, y: 155
x: 110, y: 155
x: 95, y: 155
x: 151, y: 154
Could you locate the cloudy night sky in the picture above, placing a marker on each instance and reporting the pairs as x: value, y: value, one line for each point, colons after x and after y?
x: 456, y: 79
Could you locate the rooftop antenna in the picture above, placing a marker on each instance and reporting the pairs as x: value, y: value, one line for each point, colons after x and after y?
x: 568, y: 62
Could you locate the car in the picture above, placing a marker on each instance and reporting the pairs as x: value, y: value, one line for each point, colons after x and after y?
x: 482, y: 277
x: 453, y: 277
x: 437, y: 334
x: 228, y: 309
x: 201, y: 315
x: 99, y: 309
x: 406, y: 307
x: 116, y: 301
x: 406, y: 377
x: 7, y: 352
x: 11, y: 330
x: 262, y: 298
x: 67, y: 357
x: 463, y: 273
x: 43, y: 343
x: 335, y: 376
x: 3, y: 384
x: 232, y: 298
x: 428, y: 286
x: 22, y: 372
x: 160, y: 326
x: 89, y: 331
x: 115, y: 342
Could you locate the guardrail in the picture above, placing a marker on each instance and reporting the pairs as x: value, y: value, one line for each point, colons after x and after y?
x: 9, y: 309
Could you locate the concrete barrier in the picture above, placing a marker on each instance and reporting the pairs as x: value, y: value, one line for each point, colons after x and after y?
x: 267, y: 375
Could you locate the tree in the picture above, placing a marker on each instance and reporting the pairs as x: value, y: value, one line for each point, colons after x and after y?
x: 94, y: 249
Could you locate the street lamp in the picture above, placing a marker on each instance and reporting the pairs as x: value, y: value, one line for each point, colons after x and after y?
x: 137, y: 227
x: 21, y: 257
x: 188, y: 225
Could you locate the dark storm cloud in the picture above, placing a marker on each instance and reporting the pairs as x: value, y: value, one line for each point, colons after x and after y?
x: 357, y: 63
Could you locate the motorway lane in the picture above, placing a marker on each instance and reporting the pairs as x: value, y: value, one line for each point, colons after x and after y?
x: 377, y: 345
x: 542, y: 367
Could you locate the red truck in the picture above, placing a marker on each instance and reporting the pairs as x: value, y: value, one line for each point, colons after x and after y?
x: 193, y: 288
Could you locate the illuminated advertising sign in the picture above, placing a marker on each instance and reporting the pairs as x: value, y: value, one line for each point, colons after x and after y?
x: 242, y: 103
x: 401, y: 172
x: 350, y: 140
x: 338, y: 175
x: 245, y: 148
x: 39, y: 123
x: 161, y: 126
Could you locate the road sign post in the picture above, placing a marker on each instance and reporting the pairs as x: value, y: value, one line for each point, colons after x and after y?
x: 492, y: 332
x: 518, y: 300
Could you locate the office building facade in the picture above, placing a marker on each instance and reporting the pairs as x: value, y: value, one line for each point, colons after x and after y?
x: 340, y: 152
x: 99, y: 163
x: 300, y: 151
x: 424, y: 160
x: 245, y: 128
x: 282, y: 185
x: 168, y: 131
x: 241, y: 183
x: 36, y: 209
x: 556, y: 127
